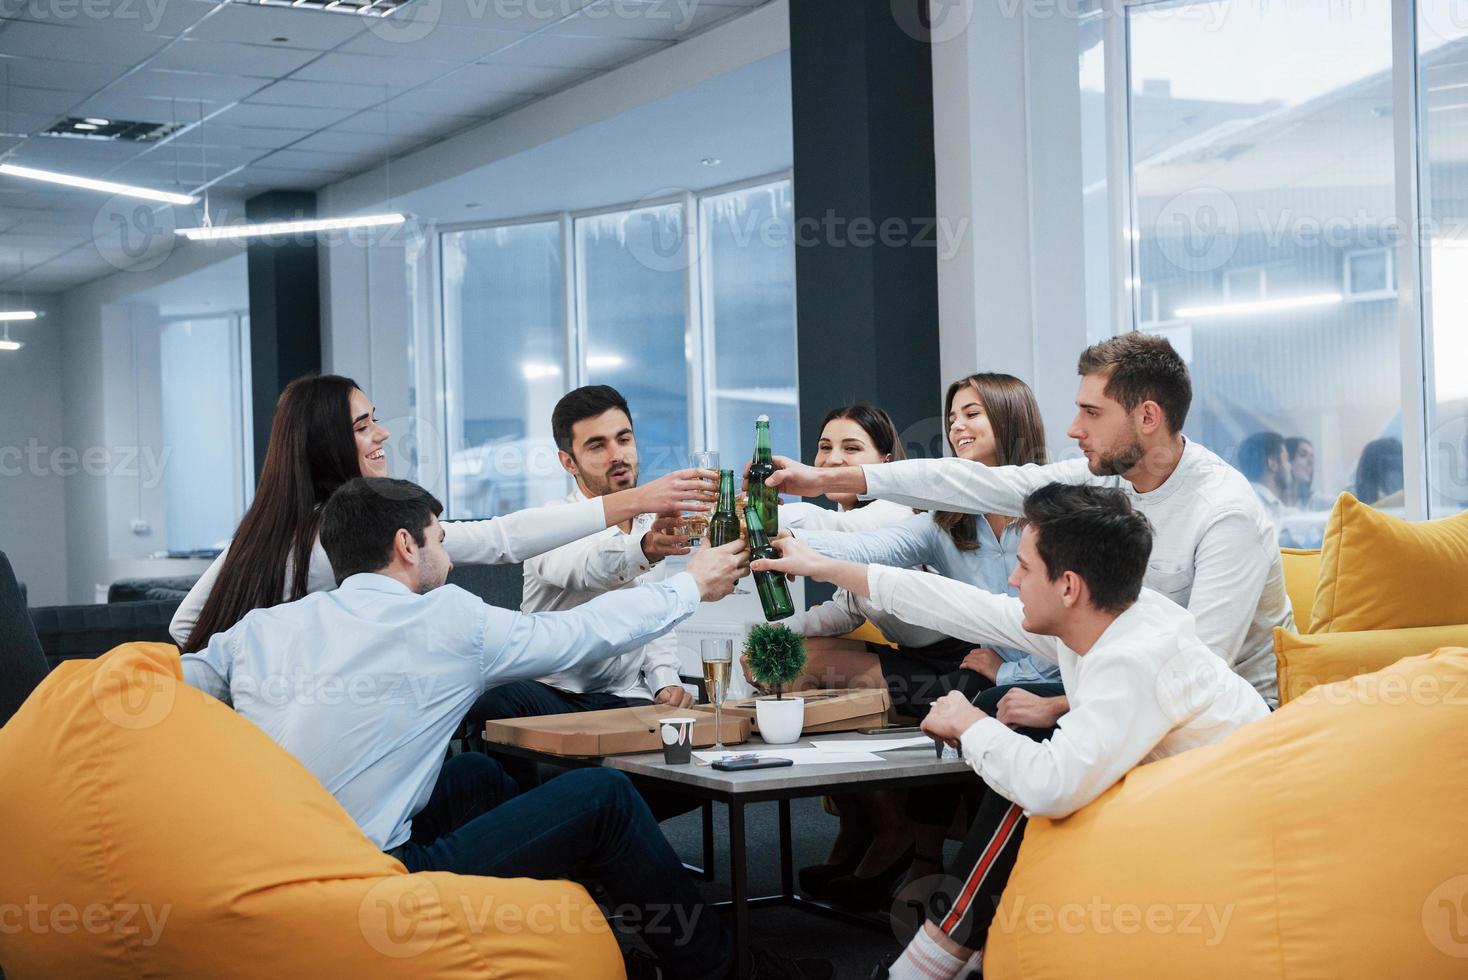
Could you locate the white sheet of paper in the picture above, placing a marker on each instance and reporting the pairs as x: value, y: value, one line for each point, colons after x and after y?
x: 873, y: 744
x: 800, y: 757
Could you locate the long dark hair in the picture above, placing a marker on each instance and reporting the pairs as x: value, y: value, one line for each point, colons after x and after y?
x: 1019, y: 438
x: 1379, y: 471
x: 312, y: 452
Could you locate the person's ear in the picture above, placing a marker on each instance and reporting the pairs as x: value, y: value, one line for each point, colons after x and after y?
x: 568, y: 462
x: 405, y: 548
x: 1149, y: 417
x: 1071, y: 589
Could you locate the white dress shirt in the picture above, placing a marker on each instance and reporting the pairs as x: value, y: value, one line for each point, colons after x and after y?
x: 576, y: 573
x: 366, y: 684
x: 1214, y: 549
x: 499, y: 540
x: 1147, y: 689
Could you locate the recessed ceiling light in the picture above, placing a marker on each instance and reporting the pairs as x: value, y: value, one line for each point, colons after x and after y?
x: 84, y: 125
x: 711, y: 161
x: 366, y: 8
x: 280, y: 40
x: 97, y: 128
x: 473, y: 204
x: 95, y: 121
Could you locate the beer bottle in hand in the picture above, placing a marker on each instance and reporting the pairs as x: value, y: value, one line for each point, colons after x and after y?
x: 766, y: 499
x: 774, y: 592
x: 724, y: 525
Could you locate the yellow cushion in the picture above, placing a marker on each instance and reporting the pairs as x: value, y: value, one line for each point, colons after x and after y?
x: 1323, y: 841
x: 1307, y: 661
x: 1301, y: 573
x: 1381, y: 572
x: 867, y: 633
x: 196, y: 847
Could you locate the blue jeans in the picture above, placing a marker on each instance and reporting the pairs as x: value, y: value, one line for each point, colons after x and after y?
x: 588, y: 825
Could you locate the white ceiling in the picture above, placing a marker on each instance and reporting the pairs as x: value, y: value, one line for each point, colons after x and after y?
x: 291, y: 99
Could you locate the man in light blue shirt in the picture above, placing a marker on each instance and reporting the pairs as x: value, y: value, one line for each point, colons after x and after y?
x: 365, y: 685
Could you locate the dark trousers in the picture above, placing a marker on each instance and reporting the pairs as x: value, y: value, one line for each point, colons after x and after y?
x: 588, y: 825
x: 937, y: 805
x: 964, y: 906
x: 530, y: 699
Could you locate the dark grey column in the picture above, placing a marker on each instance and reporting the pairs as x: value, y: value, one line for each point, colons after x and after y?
x: 285, y: 307
x: 866, y: 257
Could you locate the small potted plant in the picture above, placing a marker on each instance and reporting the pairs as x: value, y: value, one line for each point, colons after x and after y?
x: 776, y: 656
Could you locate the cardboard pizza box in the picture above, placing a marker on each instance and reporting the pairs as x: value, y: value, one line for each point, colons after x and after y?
x: 828, y: 711
x: 618, y: 731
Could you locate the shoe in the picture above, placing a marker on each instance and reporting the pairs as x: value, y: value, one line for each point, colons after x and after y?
x: 881, y: 971
x: 815, y: 880
x: 856, y: 893
x: 766, y: 964
x: 640, y: 966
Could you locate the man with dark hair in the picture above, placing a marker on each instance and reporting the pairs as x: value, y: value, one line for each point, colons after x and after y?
x: 1141, y: 686
x: 367, y: 684
x: 1215, y: 550
x: 593, y: 429
x: 1264, y: 459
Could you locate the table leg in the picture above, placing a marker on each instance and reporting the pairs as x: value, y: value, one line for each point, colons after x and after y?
x: 787, y: 871
x: 708, y: 840
x: 739, y: 888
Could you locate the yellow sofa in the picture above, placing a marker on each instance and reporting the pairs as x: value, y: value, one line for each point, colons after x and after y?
x: 150, y: 831
x: 1325, y: 841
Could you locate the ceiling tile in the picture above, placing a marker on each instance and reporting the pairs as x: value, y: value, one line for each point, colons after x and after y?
x: 253, y: 24
x: 295, y: 159
x: 51, y: 102
x: 294, y: 117
x: 666, y: 20
x: 186, y: 85
x: 89, y: 156
x: 90, y: 45
x: 338, y: 140
x: 398, y: 72
x: 330, y: 95
x: 163, y: 18
x: 519, y: 16
x: 25, y: 123
x: 564, y: 51
x: 52, y: 73
x: 513, y: 78
x: 444, y: 42
x: 215, y: 135
x: 263, y: 60
x: 460, y: 101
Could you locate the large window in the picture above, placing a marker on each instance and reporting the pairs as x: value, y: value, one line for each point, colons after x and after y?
x: 1261, y: 142
x: 505, y: 358
x: 1442, y: 83
x: 686, y: 306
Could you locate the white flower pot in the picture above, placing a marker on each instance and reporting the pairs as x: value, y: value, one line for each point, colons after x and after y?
x: 780, y: 722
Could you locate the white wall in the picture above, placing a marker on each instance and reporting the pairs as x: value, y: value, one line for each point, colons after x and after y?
x: 1008, y: 145
x: 33, y: 452
x: 102, y: 403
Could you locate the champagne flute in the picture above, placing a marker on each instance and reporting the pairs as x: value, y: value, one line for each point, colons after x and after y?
x: 718, y: 662
x: 697, y: 522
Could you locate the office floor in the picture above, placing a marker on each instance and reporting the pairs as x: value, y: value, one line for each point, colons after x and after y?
x: 852, y: 948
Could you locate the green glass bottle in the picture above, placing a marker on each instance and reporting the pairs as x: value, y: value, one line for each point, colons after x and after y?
x: 767, y: 499
x: 724, y: 524
x: 774, y: 592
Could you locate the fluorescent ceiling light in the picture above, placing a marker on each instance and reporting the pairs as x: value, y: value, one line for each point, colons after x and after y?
x: 11, y: 345
x: 534, y: 371
x: 258, y: 229
x: 85, y: 125
x: 1263, y: 306
x: 96, y: 121
x: 88, y: 183
x: 18, y: 315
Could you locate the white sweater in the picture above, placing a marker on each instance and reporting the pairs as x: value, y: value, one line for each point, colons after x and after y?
x: 1146, y: 690
x: 1214, y: 550
x: 844, y: 612
x: 497, y: 541
x: 576, y: 573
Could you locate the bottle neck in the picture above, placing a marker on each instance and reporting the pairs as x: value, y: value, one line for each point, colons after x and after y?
x: 726, y: 492
x: 762, y: 442
x: 755, y: 528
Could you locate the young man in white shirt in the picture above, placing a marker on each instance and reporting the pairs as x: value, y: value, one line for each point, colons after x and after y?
x: 1215, y: 550
x: 592, y: 427
x: 1141, y: 686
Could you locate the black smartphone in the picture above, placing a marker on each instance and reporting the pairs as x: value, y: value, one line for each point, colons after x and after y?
x: 743, y: 765
x: 892, y: 730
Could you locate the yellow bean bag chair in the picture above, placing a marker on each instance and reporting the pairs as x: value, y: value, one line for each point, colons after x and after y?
x: 150, y: 831
x: 1326, y: 841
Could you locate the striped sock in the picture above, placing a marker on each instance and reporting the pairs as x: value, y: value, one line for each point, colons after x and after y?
x: 924, y: 959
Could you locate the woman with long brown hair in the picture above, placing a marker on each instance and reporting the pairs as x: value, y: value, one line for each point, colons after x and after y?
x: 326, y: 432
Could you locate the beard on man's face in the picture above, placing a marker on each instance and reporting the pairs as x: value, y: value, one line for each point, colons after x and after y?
x: 1118, y: 462
x: 620, y: 476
